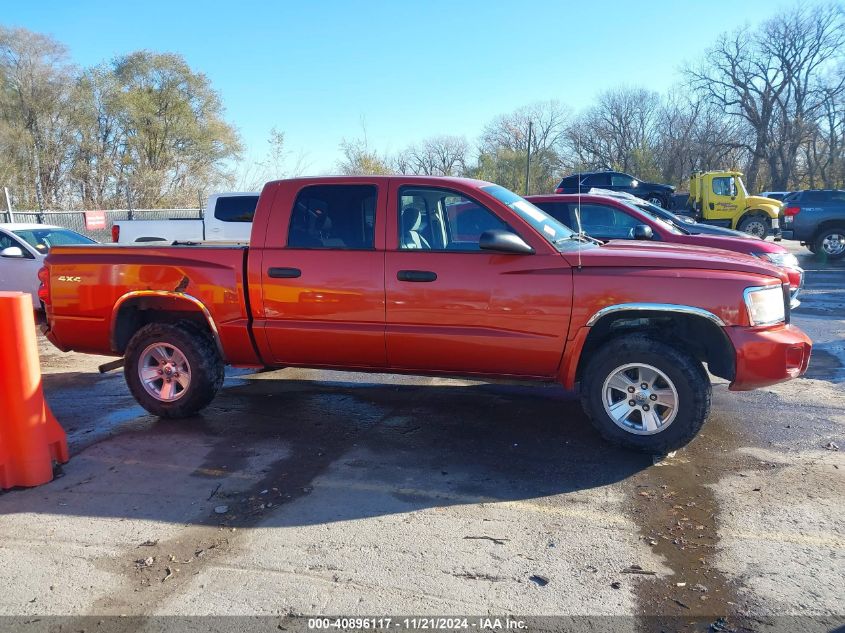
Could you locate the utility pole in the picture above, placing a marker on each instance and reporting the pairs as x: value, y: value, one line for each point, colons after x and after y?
x: 130, y: 215
x: 9, y: 205
x: 528, y: 158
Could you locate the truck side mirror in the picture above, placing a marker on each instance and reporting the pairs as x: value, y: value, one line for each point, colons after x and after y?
x: 13, y: 252
x: 643, y: 232
x: 504, y: 242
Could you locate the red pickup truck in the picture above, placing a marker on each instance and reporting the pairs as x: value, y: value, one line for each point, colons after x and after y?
x: 429, y: 275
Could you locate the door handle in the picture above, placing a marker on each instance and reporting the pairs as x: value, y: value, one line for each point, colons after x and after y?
x: 416, y: 275
x: 284, y: 273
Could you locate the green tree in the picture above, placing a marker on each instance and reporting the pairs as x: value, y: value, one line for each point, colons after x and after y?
x: 34, y: 102
x: 177, y: 142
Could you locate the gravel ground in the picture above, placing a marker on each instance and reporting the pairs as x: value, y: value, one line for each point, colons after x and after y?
x: 313, y: 492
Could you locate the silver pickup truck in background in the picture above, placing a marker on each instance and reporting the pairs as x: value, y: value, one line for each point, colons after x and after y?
x: 227, y: 218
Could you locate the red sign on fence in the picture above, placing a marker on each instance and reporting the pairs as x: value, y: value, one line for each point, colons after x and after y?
x: 95, y: 220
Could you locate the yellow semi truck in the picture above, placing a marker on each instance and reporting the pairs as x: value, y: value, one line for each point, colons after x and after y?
x: 720, y: 198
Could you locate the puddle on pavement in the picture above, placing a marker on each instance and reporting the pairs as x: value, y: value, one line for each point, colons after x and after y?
x: 678, y: 517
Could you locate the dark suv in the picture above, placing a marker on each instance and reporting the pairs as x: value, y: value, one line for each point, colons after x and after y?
x: 660, y: 195
x: 816, y: 218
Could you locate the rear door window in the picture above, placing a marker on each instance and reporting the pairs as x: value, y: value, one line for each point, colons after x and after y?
x: 559, y: 211
x: 235, y: 208
x: 334, y: 216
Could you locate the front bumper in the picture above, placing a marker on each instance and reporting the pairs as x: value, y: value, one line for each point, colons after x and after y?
x: 768, y: 356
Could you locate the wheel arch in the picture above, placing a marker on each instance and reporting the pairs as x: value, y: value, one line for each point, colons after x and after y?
x: 137, y: 308
x: 827, y: 225
x: 694, y: 330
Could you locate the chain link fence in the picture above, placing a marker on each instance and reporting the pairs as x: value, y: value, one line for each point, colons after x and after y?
x: 75, y: 220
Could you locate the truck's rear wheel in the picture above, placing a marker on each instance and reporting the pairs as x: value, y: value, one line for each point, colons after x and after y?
x: 643, y: 394
x: 831, y: 242
x: 756, y: 225
x: 172, y: 370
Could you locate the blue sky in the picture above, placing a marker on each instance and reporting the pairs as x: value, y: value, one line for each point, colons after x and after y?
x: 316, y: 69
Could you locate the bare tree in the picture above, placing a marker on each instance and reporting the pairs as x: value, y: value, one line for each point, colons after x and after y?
x: 277, y: 163
x: 692, y: 135
x: 359, y: 159
x: 771, y: 80
x: 619, y: 132
x: 503, y: 146
x: 435, y: 156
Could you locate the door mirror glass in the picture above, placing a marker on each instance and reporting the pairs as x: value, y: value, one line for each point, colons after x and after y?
x: 503, y: 242
x: 13, y: 252
x: 643, y: 232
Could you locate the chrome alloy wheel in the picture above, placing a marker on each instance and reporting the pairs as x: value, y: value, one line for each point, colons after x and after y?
x: 164, y: 372
x: 658, y: 202
x: 640, y: 399
x: 834, y: 244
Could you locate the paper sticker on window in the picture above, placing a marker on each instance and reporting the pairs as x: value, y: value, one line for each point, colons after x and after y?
x: 530, y: 209
x: 549, y: 230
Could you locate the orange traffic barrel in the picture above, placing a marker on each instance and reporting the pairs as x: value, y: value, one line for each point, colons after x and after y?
x: 31, y: 439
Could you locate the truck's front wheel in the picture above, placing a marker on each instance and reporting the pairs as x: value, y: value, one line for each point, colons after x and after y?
x: 756, y: 225
x: 172, y: 370
x: 646, y: 395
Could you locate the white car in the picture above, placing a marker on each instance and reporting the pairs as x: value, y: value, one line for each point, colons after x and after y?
x: 23, y: 248
x: 227, y: 218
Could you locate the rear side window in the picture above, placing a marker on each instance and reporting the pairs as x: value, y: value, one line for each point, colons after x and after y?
x: 235, y: 208
x: 334, y: 216
x: 558, y: 210
x: 597, y: 180
x: 815, y: 196
x: 569, y: 182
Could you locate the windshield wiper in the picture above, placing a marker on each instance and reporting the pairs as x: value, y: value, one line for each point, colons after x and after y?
x: 578, y: 237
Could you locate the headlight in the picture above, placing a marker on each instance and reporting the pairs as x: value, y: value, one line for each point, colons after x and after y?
x: 765, y: 305
x: 781, y: 259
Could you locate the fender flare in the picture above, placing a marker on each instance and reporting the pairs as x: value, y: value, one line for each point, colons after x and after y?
x: 166, y: 294
x: 654, y: 307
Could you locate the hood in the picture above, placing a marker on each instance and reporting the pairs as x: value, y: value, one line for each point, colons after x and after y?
x: 760, y: 201
x: 624, y: 254
x: 656, y: 185
x: 736, y: 244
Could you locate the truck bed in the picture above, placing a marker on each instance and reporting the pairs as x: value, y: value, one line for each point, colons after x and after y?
x: 89, y: 285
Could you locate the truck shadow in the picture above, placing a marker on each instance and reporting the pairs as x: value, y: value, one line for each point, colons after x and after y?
x: 300, y: 452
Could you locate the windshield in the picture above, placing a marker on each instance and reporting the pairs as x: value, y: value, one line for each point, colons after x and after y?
x: 44, y: 239
x: 552, y: 231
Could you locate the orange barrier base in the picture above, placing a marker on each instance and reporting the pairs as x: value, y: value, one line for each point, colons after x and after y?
x: 31, y: 440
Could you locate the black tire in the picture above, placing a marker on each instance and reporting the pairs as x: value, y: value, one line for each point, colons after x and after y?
x: 205, y: 365
x: 686, y: 374
x: 821, y: 249
x: 659, y: 200
x: 749, y: 225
